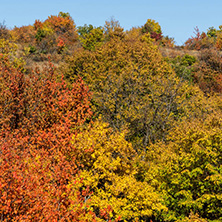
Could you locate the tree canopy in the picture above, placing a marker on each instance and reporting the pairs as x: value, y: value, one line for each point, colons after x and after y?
x: 107, y: 124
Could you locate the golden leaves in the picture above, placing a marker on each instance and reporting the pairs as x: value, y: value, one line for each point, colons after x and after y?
x: 109, y: 170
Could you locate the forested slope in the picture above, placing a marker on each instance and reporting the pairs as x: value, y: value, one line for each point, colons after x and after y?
x: 102, y: 124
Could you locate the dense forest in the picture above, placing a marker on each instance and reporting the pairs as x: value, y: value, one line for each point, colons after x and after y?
x: 103, y: 124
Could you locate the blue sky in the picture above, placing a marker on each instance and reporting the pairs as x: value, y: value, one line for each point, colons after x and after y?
x: 177, y: 18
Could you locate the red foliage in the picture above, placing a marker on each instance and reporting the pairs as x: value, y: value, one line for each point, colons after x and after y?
x: 38, y: 25
x: 38, y: 115
x: 35, y: 180
x: 60, y: 44
x: 156, y: 36
x: 196, y: 42
x: 39, y: 101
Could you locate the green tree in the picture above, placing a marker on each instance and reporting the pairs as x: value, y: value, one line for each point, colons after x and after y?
x: 188, y: 169
x: 212, y: 32
x: 83, y: 30
x: 90, y: 37
x: 184, y: 66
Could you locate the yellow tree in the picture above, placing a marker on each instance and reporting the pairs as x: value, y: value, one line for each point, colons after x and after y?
x: 133, y: 87
x: 90, y: 37
x: 187, y: 169
x: 109, y: 168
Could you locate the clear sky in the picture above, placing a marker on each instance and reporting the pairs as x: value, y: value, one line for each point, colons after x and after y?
x: 177, y: 18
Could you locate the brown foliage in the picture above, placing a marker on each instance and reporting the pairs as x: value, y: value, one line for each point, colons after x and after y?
x: 208, y: 72
x: 4, y: 32
x: 24, y: 34
x: 199, y: 41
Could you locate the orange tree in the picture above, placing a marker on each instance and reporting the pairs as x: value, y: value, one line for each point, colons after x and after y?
x: 54, y: 35
x: 39, y: 115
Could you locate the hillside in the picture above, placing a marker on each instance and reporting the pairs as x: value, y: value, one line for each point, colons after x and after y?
x: 102, y: 124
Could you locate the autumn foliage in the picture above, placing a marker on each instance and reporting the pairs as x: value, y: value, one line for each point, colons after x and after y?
x: 38, y: 114
x: 103, y: 124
